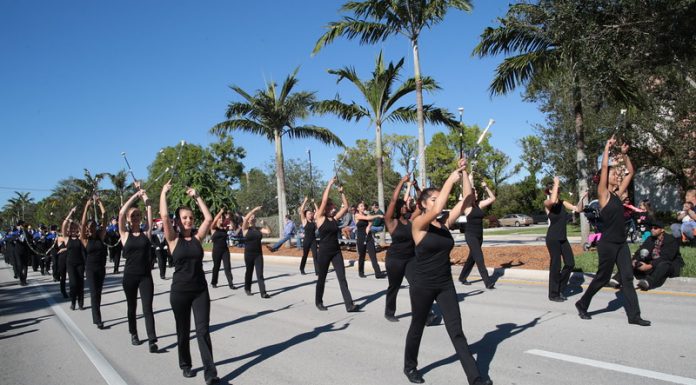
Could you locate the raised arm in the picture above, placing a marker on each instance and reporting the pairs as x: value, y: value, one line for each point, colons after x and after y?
x: 489, y: 193
x: 207, y: 217
x: 324, y: 201
x: 148, y: 210
x: 626, y: 181
x: 602, y: 188
x: 344, y: 204
x: 467, y: 197
x: 214, y: 227
x: 167, y: 227
x: 122, y: 222
x: 300, y: 211
x: 580, y: 206
x: 422, y: 221
x: 247, y: 218
x: 66, y: 222
x: 389, y: 219
x: 553, y: 197
x: 102, y: 222
x: 83, y: 222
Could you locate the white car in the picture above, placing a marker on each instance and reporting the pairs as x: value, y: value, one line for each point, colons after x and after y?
x: 516, y: 220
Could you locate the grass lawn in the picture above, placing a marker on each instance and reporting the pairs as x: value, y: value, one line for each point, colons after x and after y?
x: 572, y: 230
x: 587, y: 262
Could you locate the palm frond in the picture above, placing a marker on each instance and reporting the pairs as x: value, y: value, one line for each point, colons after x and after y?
x: 321, y: 134
x: 342, y: 110
x: 367, y: 32
x: 245, y: 125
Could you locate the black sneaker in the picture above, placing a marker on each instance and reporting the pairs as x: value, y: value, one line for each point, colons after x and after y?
x: 153, y: 347
x: 321, y: 307
x: 391, y: 318
x: 188, y: 373
x: 135, y: 340
x: 414, y: 376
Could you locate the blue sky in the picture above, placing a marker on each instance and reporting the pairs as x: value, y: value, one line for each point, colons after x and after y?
x: 82, y: 81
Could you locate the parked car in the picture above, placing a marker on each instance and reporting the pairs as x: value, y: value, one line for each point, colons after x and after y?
x: 516, y: 220
x: 540, y: 217
x: 460, y: 223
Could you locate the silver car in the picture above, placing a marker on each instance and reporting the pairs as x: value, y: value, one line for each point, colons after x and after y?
x: 516, y: 220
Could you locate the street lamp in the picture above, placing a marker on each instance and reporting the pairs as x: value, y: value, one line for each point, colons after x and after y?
x: 461, y: 133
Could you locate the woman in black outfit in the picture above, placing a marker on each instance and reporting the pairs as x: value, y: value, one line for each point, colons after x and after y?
x: 329, y: 250
x: 74, y: 261
x: 612, y: 248
x: 62, y: 256
x: 137, y: 273
x: 366, y: 241
x: 432, y: 276
x: 474, y: 237
x: 221, y: 252
x: 189, y: 289
x: 253, y: 255
x: 557, y: 241
x: 309, y: 242
x: 401, y: 252
x: 95, y: 267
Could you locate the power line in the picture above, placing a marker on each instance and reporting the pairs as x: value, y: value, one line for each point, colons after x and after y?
x: 24, y: 188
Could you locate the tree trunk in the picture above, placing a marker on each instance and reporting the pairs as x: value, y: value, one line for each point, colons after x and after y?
x: 419, y: 114
x: 580, y: 156
x: 280, y: 182
x: 380, y: 172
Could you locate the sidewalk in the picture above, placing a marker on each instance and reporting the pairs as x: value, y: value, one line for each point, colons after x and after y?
x: 674, y: 286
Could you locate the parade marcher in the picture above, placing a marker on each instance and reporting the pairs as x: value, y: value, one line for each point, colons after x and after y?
x: 474, y: 237
x: 137, y: 274
x: 309, y: 242
x: 189, y: 291
x: 74, y: 261
x: 62, y: 256
x: 612, y: 248
x: 221, y: 251
x: 365, y: 240
x: 52, y: 252
x: 93, y: 240
x: 329, y: 249
x: 113, y: 237
x: 160, y: 246
x: 253, y: 254
x: 557, y: 241
x: 432, y: 276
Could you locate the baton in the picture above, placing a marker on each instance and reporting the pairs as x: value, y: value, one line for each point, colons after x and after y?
x: 130, y: 169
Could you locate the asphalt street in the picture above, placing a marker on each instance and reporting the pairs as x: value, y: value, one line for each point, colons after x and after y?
x: 518, y: 336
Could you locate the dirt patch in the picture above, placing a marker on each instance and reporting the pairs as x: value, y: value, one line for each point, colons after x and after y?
x: 521, y: 257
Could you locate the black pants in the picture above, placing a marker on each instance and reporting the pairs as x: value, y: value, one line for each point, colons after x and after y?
x: 396, y: 271
x: 474, y: 241
x: 254, y: 262
x: 182, y: 304
x: 611, y: 254
x: 62, y: 268
x: 162, y: 256
x: 131, y: 284
x: 323, y: 266
x: 115, y: 255
x: 21, y: 266
x: 55, y: 271
x: 76, y: 275
x: 658, y: 275
x: 306, y: 248
x: 421, y: 302
x: 95, y: 280
x: 366, y: 245
x: 558, y: 278
x: 224, y: 257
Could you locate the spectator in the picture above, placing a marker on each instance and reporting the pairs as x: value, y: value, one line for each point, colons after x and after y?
x: 347, y: 225
x: 377, y: 223
x: 288, y: 231
x: 657, y: 258
x: 684, y: 230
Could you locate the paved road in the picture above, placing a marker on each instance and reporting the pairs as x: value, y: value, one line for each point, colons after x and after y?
x: 518, y: 336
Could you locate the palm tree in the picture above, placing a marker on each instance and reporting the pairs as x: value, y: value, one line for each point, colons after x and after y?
x: 380, y: 94
x: 119, y: 181
x: 274, y: 113
x: 540, y: 53
x: 376, y: 20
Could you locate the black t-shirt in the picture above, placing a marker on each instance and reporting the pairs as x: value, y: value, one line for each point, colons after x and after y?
x: 76, y: 255
x: 432, y: 269
x: 252, y: 242
x: 558, y: 218
x: 219, y: 239
x: 402, y: 246
x: 612, y: 217
x: 328, y: 238
x: 474, y: 221
x: 96, y: 254
x: 136, y: 251
x: 310, y: 230
x: 188, y: 266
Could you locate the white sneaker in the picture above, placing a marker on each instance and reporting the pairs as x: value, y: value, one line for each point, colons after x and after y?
x: 614, y: 283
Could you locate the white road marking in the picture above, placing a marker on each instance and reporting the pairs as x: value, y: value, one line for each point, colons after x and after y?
x: 615, y: 367
x: 107, y: 371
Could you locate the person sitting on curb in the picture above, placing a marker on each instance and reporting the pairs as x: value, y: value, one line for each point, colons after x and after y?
x: 657, y: 259
x: 288, y: 232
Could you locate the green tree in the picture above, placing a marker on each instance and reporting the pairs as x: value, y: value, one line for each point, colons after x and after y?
x: 357, y: 174
x: 299, y: 184
x: 256, y: 189
x: 373, y: 21
x: 533, y: 155
x: 381, y: 93
x: 273, y: 114
x: 498, y: 166
x: 407, y: 148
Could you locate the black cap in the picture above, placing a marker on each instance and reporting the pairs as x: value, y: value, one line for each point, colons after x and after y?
x: 655, y: 223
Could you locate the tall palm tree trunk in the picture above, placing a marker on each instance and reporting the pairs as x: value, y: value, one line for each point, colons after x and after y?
x: 280, y: 181
x: 580, y: 156
x: 380, y: 172
x: 419, y: 114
